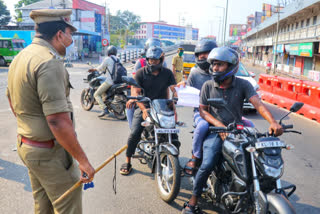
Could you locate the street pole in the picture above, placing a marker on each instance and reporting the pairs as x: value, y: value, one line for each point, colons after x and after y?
x: 255, y: 47
x: 159, y: 10
x: 276, y: 44
x: 223, y: 19
x: 225, y: 24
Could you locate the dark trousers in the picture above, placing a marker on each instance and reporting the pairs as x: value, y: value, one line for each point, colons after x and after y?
x: 211, y: 154
x: 136, y: 130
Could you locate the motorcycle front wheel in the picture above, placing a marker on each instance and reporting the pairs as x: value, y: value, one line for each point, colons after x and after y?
x: 87, y: 100
x: 278, y: 204
x: 168, y: 179
x: 121, y: 116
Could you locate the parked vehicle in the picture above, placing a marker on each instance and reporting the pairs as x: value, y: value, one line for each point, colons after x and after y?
x: 247, y: 180
x: 244, y: 74
x: 189, y: 59
x: 158, y: 147
x: 9, y: 48
x: 115, y: 98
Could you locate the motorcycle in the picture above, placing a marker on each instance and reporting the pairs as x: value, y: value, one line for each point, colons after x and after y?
x: 158, y: 147
x: 247, y: 180
x: 115, y: 97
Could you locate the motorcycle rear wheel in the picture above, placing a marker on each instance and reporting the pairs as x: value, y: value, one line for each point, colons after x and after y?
x: 121, y: 116
x: 87, y: 100
x: 168, y: 180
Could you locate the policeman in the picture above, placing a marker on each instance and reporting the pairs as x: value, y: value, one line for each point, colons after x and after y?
x: 177, y: 65
x: 38, y: 93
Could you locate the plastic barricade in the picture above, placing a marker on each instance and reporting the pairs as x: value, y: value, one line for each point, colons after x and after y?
x: 266, y: 83
x: 311, y: 112
x: 285, y: 91
x: 310, y: 93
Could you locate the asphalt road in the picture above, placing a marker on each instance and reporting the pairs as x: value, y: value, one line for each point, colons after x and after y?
x: 137, y: 192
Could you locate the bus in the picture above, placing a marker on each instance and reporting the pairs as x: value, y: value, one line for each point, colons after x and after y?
x: 9, y: 48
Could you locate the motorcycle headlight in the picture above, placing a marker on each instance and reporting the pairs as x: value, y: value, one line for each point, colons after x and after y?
x: 167, y: 121
x: 273, y: 172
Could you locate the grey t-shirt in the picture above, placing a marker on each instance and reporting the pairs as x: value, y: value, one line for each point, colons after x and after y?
x: 235, y: 95
x: 198, y: 77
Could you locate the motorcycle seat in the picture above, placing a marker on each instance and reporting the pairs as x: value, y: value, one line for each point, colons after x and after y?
x: 115, y: 86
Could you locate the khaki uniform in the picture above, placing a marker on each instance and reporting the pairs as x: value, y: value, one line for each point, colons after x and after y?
x: 38, y: 86
x: 177, y: 61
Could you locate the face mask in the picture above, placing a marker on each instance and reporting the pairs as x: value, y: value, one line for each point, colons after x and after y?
x: 180, y: 53
x: 68, y: 49
x: 203, y: 64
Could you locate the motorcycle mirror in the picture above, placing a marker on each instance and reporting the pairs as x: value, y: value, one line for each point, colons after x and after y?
x: 217, y: 102
x: 130, y: 81
x: 296, y: 106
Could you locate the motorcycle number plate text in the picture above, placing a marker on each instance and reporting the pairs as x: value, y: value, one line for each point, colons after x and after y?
x: 269, y: 144
x: 166, y: 131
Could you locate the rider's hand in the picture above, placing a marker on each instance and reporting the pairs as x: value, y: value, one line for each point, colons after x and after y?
x: 223, y: 136
x: 88, y: 170
x: 276, y: 129
x: 145, y: 114
x: 182, y: 83
x: 131, y: 103
x: 92, y: 69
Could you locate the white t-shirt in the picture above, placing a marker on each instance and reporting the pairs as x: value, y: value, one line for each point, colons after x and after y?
x: 107, y: 66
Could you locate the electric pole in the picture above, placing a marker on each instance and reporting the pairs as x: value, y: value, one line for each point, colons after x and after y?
x: 159, y: 10
x: 276, y: 43
x: 225, y: 24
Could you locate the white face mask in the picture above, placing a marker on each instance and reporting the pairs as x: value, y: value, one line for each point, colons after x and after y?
x: 68, y: 49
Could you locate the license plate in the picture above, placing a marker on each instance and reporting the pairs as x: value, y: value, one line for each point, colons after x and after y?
x: 270, y: 144
x: 167, y: 131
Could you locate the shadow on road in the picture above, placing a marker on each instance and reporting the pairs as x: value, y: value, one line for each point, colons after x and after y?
x: 15, y: 172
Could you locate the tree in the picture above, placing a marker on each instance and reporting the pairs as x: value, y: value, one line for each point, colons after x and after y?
x: 22, y: 3
x: 4, y: 14
x: 123, y: 25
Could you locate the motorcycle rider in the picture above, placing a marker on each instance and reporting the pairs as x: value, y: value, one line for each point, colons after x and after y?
x: 198, y: 76
x: 106, y: 67
x: 155, y: 80
x: 224, y: 64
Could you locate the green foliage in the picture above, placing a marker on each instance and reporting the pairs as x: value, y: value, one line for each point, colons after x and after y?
x: 22, y: 3
x: 123, y: 25
x: 4, y: 14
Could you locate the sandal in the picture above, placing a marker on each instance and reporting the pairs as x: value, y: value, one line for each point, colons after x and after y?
x: 189, y: 209
x: 192, y: 165
x: 126, y: 169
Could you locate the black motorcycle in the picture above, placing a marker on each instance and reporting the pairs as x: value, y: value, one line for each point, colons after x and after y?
x: 158, y: 146
x: 115, y: 98
x: 247, y: 180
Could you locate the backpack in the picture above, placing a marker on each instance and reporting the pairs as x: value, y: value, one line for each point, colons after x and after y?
x: 142, y: 62
x: 118, y: 71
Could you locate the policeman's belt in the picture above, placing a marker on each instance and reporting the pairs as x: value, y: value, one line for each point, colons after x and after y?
x: 178, y: 71
x: 40, y: 144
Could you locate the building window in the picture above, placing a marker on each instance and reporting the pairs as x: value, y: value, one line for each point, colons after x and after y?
x: 302, y: 23
x: 292, y: 26
x: 314, y: 20
x: 288, y: 28
x: 308, y: 22
x: 297, y: 25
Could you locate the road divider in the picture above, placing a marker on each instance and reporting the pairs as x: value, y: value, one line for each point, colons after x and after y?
x: 283, y: 92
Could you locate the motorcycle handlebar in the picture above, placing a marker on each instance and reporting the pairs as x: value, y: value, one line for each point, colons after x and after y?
x: 287, y: 126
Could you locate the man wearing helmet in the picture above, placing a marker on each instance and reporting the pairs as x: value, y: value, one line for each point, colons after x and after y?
x: 224, y: 64
x: 198, y: 76
x: 106, y: 67
x: 155, y: 80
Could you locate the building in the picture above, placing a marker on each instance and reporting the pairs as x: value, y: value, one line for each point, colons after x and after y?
x: 87, y: 17
x: 297, y: 50
x: 163, y: 30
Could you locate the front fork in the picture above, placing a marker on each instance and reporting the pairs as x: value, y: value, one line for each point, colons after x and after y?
x: 158, y: 150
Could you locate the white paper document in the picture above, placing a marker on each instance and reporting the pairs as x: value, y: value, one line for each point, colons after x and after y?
x: 188, y: 96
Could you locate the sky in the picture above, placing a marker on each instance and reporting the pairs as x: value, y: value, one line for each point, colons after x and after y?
x: 202, y: 14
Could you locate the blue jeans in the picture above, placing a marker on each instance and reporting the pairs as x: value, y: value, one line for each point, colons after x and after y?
x: 130, y: 112
x: 199, y: 134
x: 211, y: 154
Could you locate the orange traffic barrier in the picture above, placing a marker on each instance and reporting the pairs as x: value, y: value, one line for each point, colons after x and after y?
x: 266, y: 83
x: 311, y: 112
x: 285, y: 91
x: 310, y: 93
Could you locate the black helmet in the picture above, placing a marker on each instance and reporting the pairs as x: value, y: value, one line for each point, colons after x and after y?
x: 152, y: 42
x: 154, y: 53
x: 111, y: 50
x: 224, y: 54
x: 202, y: 47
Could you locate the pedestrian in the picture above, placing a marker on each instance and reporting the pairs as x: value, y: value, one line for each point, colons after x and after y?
x: 38, y: 93
x: 177, y: 65
x: 268, y: 67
